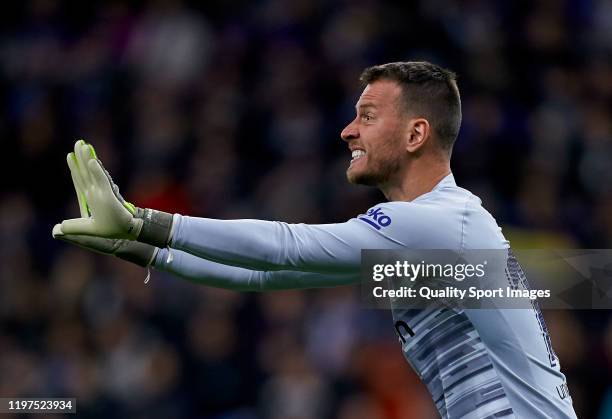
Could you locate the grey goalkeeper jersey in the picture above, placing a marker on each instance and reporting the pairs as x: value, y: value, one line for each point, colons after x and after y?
x: 476, y: 363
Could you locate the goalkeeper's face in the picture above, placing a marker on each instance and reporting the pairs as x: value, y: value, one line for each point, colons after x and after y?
x: 375, y: 136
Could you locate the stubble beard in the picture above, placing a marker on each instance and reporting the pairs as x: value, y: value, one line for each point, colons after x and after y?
x: 377, y: 172
x: 381, y: 165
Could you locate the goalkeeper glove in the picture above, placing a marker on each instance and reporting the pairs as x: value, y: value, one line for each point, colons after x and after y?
x: 111, y: 215
x: 139, y: 253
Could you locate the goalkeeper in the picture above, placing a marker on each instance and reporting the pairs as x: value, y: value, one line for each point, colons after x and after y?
x: 475, y: 363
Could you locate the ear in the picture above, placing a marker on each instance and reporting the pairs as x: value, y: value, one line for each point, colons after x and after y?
x: 418, y: 134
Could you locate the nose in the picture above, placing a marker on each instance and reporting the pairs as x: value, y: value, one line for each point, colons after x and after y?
x: 350, y: 132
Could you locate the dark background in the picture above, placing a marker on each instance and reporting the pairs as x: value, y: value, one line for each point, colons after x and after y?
x: 233, y: 110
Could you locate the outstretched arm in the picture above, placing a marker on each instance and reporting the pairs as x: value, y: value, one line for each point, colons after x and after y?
x: 270, y: 246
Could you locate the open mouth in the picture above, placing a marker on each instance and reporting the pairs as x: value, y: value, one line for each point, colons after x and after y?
x: 356, y: 155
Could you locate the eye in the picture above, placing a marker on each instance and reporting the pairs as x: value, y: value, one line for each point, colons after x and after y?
x: 367, y: 117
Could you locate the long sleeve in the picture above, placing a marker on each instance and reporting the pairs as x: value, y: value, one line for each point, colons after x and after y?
x: 214, y: 274
x: 271, y: 246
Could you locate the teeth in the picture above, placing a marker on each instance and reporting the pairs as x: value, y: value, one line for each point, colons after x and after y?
x: 357, y: 153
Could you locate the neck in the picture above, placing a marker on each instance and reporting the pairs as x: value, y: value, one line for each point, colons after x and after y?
x: 418, y: 178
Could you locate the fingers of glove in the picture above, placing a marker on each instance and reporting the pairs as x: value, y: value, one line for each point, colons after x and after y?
x: 78, y: 185
x: 86, y: 151
x: 79, y: 226
x: 88, y: 154
x: 81, y: 169
x: 82, y: 154
x: 74, y: 169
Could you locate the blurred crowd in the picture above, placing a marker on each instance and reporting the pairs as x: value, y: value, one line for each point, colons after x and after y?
x: 233, y: 110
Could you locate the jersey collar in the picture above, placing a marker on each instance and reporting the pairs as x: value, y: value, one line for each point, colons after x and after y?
x: 449, y: 180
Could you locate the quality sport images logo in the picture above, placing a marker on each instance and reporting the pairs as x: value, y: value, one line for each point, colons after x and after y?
x: 376, y: 218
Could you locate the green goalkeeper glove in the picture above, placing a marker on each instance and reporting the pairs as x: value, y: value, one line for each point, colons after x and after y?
x: 132, y: 251
x: 111, y: 215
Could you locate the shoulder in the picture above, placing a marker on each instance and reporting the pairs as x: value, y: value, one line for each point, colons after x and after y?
x: 413, y: 222
x: 434, y: 220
